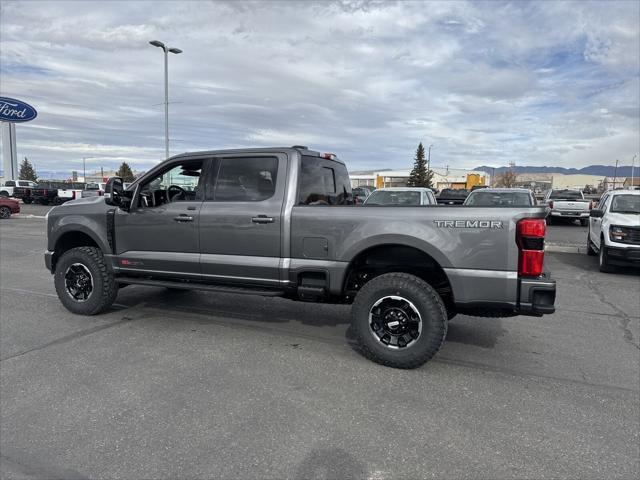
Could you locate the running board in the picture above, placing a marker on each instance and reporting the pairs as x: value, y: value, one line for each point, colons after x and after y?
x: 200, y: 286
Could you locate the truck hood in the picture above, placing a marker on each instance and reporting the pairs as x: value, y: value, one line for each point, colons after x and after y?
x: 623, y: 219
x: 83, y: 200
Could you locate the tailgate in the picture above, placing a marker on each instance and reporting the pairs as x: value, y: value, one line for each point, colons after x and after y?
x: 571, y: 205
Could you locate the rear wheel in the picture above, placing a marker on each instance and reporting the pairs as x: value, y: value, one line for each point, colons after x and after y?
x: 399, y: 320
x: 603, y: 258
x: 5, y: 212
x: 27, y: 200
x: 57, y: 200
x: 83, y: 282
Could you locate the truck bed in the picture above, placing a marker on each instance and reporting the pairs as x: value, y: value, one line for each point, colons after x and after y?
x: 475, y: 246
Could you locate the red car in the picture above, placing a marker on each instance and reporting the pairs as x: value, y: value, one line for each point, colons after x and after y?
x: 8, y: 206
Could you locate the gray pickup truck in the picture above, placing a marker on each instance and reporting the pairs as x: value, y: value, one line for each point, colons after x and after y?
x: 280, y: 222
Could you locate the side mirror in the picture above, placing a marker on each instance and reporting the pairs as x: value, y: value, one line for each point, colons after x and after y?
x: 114, y: 192
x: 595, y: 213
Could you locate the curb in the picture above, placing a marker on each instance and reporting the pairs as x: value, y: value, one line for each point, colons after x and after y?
x: 556, y: 248
x: 26, y: 216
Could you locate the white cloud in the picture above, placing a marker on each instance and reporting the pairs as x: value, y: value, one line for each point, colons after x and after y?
x: 549, y: 83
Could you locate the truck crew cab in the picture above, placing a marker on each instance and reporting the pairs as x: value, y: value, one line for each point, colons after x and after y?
x: 280, y: 222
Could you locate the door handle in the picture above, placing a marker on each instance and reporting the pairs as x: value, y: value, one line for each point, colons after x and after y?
x: 183, y: 218
x: 262, y: 219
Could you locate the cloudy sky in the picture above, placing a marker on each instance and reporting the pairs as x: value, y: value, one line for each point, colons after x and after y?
x: 543, y: 83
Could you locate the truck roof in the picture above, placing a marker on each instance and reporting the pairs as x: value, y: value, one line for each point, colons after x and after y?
x: 303, y: 150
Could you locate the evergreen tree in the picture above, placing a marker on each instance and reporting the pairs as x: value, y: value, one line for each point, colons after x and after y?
x: 27, y: 172
x: 125, y: 172
x: 420, y: 176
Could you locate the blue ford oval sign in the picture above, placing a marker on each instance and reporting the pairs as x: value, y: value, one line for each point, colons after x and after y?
x: 12, y: 110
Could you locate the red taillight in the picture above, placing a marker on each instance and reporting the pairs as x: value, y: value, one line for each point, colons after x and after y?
x: 73, y: 195
x: 329, y: 156
x: 531, y: 262
x: 45, y: 192
x: 532, y: 227
x: 530, y: 239
x: 100, y: 193
x: 550, y: 203
x: 590, y: 205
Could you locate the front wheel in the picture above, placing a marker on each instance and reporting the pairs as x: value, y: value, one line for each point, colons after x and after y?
x: 399, y: 320
x: 4, y: 193
x: 27, y: 200
x: 603, y: 259
x: 83, y: 282
x: 5, y: 212
x: 590, y: 251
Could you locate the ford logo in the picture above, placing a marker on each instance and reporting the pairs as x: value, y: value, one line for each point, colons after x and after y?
x: 12, y: 110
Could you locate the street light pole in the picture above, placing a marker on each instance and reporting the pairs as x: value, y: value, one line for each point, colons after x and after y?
x: 633, y: 161
x: 166, y: 51
x: 429, y: 158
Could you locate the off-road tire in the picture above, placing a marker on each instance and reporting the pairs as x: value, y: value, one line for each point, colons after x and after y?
x: 590, y: 251
x: 57, y: 200
x: 5, y: 212
x: 432, y: 311
x: 603, y: 259
x: 27, y: 200
x: 105, y: 288
x: 4, y: 193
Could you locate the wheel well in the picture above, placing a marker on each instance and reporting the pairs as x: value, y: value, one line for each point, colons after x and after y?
x: 71, y: 240
x: 381, y: 259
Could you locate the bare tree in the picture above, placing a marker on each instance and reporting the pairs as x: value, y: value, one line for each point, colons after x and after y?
x: 507, y: 179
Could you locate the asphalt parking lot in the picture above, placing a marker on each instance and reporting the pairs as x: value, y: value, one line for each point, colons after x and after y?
x: 194, y: 384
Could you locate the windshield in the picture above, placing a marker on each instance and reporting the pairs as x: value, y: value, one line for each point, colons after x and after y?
x: 625, y: 204
x: 566, y: 195
x: 499, y: 199
x: 93, y: 186
x: 389, y: 197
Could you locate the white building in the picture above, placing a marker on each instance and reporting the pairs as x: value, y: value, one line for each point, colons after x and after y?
x: 442, y: 178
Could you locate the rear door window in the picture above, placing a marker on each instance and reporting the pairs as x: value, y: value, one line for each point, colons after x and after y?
x: 323, y: 182
x: 245, y: 179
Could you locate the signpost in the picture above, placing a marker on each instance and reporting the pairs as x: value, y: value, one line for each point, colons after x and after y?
x: 12, y: 111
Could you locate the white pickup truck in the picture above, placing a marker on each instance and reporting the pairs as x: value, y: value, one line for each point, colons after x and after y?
x: 7, y: 187
x: 568, y: 204
x: 614, y: 230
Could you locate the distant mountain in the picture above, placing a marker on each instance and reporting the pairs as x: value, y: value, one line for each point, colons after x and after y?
x: 599, y: 170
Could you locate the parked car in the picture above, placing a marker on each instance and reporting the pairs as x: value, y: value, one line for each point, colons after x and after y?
x: 8, y: 187
x: 501, y: 197
x: 569, y: 204
x: 8, y: 206
x: 452, y: 196
x: 614, y: 229
x: 281, y: 222
x: 93, y: 190
x: 360, y: 194
x: 401, y: 196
